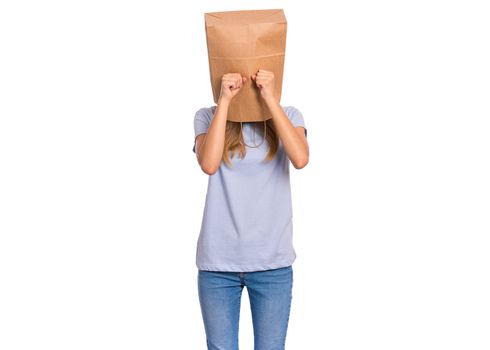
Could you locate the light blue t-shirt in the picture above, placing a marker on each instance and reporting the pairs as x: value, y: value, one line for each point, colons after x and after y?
x: 247, y: 224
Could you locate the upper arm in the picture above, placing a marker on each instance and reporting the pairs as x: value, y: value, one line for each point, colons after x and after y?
x: 298, y: 121
x: 296, y: 118
x: 302, y: 134
x: 199, y: 140
x: 202, y: 119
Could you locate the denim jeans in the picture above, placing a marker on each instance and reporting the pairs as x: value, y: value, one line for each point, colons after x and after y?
x: 270, y: 295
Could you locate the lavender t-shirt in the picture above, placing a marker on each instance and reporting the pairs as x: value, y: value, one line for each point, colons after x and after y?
x: 247, y: 224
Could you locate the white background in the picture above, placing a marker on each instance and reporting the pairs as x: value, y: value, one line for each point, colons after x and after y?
x: 101, y: 196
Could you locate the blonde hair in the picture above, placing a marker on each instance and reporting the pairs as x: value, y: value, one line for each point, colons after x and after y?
x: 234, y: 142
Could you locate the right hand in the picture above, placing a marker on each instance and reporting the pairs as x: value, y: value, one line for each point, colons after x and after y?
x: 231, y: 84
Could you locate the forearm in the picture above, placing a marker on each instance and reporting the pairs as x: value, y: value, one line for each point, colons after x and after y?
x: 294, y: 145
x: 212, y: 148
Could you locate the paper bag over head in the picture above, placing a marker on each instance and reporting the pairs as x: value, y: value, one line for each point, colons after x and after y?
x: 244, y: 42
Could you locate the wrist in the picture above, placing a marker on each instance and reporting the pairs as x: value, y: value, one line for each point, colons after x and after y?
x: 223, y: 101
x: 270, y: 100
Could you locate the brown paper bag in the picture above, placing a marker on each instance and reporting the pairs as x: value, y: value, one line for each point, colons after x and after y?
x: 242, y: 42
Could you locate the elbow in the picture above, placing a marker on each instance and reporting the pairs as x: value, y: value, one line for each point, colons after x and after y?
x: 301, y: 163
x: 208, y: 166
x: 209, y: 169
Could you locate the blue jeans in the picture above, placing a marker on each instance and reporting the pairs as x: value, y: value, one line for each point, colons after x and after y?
x: 270, y: 294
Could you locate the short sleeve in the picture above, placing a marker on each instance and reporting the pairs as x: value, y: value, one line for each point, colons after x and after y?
x: 202, y: 120
x: 295, y: 117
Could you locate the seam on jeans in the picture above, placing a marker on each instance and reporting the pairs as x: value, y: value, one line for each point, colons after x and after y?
x: 241, y: 275
x: 289, y: 311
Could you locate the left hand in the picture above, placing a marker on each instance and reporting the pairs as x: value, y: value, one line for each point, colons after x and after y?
x: 265, y: 82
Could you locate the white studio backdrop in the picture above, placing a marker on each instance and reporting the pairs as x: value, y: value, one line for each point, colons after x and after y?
x: 101, y: 196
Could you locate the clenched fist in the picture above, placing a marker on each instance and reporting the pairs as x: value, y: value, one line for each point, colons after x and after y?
x: 231, y: 84
x: 265, y: 82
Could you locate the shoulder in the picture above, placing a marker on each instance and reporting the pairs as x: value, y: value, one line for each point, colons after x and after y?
x: 291, y: 111
x: 205, y: 113
x: 294, y: 115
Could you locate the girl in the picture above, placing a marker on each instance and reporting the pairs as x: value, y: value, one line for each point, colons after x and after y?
x: 246, y: 231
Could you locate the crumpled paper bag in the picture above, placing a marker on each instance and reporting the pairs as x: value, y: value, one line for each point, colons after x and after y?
x: 244, y: 42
